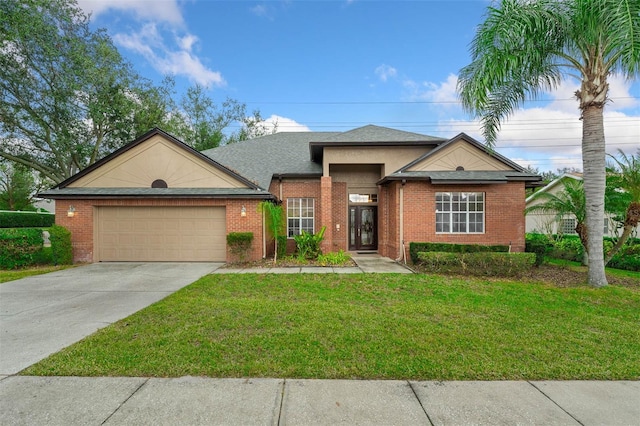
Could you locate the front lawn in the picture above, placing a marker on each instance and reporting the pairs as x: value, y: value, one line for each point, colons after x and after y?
x: 370, y: 326
x: 16, y: 274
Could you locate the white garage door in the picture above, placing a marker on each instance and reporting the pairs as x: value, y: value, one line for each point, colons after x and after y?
x: 160, y: 234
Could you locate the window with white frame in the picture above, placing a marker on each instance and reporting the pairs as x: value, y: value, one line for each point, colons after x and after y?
x: 460, y: 212
x: 568, y: 226
x: 300, y: 216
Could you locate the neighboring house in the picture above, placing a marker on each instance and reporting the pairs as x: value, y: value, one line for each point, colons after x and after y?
x: 547, y: 223
x: 374, y: 188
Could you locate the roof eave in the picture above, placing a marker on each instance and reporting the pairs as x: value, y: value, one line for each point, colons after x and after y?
x: 262, y: 196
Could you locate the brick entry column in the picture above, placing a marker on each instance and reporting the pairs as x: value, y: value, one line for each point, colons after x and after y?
x: 326, y: 218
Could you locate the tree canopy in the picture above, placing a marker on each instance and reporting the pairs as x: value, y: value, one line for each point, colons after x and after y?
x: 67, y: 96
x: 526, y: 47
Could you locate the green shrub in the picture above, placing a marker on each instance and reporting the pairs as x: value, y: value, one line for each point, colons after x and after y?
x: 308, y: 244
x: 10, y: 219
x: 626, y: 262
x: 20, y: 247
x: 567, y: 247
x: 61, y: 248
x: 239, y: 244
x: 539, y: 244
x: 334, y: 258
x: 415, y: 248
x: 478, y: 263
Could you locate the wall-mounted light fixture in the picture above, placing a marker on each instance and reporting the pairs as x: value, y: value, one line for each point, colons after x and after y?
x: 243, y: 212
x: 71, y: 212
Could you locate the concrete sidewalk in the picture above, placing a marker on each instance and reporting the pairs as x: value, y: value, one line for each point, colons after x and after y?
x: 193, y: 401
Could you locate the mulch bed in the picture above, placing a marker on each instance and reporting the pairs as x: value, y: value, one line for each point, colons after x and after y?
x: 571, y: 276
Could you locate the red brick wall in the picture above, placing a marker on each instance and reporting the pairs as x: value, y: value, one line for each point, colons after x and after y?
x: 340, y: 216
x: 504, y: 214
x: 388, y: 220
x: 298, y: 188
x: 81, y: 225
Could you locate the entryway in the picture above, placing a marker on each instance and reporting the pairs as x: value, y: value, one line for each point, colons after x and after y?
x: 363, y: 224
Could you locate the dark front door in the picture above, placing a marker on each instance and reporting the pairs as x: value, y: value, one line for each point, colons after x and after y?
x: 363, y: 224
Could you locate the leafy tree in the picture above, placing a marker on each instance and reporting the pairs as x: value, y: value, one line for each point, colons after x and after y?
x: 203, y: 124
x: 67, y: 96
x: 18, y: 186
x: 568, y: 202
x: 625, y: 176
x: 527, y: 46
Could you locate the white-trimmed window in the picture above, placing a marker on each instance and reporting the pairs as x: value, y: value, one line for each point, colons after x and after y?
x: 300, y: 216
x: 460, y: 212
x: 568, y: 226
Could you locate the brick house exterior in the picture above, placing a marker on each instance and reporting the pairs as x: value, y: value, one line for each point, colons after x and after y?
x: 373, y: 188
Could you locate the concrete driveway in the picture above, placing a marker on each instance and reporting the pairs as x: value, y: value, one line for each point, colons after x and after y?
x: 42, y: 314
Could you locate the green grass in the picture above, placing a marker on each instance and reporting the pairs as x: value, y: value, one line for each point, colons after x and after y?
x: 370, y: 326
x: 577, y: 266
x: 16, y: 274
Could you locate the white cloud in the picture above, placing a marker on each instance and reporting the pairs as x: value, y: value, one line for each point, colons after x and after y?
x: 284, y: 124
x: 161, y: 11
x: 260, y: 10
x: 187, y: 42
x: 149, y: 43
x: 385, y: 72
x: 443, y: 92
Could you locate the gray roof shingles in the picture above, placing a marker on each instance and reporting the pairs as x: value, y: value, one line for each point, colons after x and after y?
x: 260, y: 158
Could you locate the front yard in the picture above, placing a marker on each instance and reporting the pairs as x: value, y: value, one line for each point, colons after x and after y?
x: 370, y: 326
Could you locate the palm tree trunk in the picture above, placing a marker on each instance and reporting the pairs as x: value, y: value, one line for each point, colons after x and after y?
x: 593, y: 163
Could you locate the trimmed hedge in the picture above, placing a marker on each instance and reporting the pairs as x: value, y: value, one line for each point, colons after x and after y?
x: 415, y: 248
x: 10, y: 219
x: 61, y: 249
x: 239, y: 244
x: 479, y: 263
x: 20, y: 247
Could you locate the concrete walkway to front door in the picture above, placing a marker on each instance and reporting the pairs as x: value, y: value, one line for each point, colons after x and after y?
x: 377, y: 264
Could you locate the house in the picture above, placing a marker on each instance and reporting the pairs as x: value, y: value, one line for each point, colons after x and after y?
x: 374, y: 188
x: 547, y: 223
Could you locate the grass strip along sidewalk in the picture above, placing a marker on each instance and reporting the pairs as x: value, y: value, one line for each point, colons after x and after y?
x: 369, y: 326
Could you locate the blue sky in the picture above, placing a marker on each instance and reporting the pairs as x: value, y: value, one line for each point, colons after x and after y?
x: 337, y: 65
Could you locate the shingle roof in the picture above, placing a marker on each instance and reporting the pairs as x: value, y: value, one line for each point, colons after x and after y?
x: 464, y: 177
x: 288, y: 153
x: 371, y: 135
x: 376, y: 134
x: 84, y: 192
x: 258, y: 159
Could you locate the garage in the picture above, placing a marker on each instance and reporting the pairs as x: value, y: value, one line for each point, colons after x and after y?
x: 159, y: 234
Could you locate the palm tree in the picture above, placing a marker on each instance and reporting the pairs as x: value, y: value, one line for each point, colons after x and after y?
x: 568, y: 202
x: 525, y: 47
x: 626, y: 176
